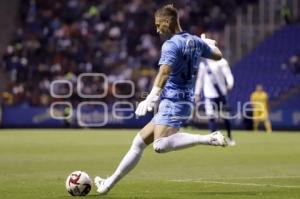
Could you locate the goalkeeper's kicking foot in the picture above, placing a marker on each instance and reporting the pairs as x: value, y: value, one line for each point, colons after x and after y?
x: 102, y: 189
x: 218, y: 139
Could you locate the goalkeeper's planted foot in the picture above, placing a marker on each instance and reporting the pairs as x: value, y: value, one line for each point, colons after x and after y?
x: 102, y: 189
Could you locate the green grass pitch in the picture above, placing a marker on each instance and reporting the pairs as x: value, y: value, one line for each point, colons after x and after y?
x: 35, y: 164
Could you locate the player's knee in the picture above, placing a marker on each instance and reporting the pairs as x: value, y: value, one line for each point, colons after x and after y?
x: 160, y: 145
x: 138, y: 142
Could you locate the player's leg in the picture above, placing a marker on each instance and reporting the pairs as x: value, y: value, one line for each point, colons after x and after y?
x: 255, y: 125
x: 228, y: 128
x: 212, y: 124
x: 225, y: 114
x: 227, y: 123
x: 256, y: 120
x: 169, y: 139
x: 168, y: 121
x: 268, y: 126
x: 129, y: 161
x: 266, y: 121
x: 210, y: 107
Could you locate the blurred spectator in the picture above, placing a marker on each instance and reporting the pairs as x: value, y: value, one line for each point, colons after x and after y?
x: 6, y: 98
x: 286, y: 14
x: 294, y: 63
x: 62, y: 39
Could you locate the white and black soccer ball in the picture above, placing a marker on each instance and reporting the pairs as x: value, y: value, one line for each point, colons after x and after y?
x: 78, y: 183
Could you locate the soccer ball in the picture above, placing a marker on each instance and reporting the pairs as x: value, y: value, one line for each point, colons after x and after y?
x: 78, y: 183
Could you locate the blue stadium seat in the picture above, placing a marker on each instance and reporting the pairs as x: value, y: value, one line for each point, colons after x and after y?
x: 264, y: 66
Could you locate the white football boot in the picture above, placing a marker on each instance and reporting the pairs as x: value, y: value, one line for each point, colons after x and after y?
x: 102, y: 189
x: 231, y: 142
x: 218, y: 139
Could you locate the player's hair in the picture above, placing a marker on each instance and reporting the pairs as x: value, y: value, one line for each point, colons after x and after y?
x: 167, y: 11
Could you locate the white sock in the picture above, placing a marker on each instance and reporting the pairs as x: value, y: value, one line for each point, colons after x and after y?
x: 179, y: 141
x: 128, y: 162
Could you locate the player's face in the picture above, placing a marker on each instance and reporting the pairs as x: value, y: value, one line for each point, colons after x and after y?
x: 163, y: 27
x: 259, y: 88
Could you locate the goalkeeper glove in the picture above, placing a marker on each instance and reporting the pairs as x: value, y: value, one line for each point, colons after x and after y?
x: 209, y: 42
x: 149, y: 103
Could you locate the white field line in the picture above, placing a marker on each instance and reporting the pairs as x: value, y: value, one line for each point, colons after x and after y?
x: 256, y: 177
x: 246, y: 178
x: 242, y: 184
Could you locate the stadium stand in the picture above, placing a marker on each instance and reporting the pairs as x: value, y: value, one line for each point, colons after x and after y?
x: 265, y: 65
x: 61, y: 39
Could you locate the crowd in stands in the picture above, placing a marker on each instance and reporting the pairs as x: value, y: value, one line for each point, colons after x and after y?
x: 59, y: 40
x: 293, y: 64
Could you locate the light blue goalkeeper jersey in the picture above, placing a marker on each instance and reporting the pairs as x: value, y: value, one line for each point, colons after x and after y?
x: 182, y: 52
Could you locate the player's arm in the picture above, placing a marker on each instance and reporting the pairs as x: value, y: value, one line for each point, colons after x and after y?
x: 162, y: 76
x: 227, y: 74
x: 159, y: 83
x: 168, y: 59
x: 216, y: 54
x: 199, y: 82
x: 211, y: 51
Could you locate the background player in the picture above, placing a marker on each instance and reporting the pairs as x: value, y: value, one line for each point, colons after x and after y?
x: 215, y: 80
x: 260, y: 103
x: 174, y: 85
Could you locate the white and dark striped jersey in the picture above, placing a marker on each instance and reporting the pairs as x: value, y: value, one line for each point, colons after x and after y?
x: 214, y: 77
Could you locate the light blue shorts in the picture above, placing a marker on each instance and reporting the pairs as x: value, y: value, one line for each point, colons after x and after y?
x: 173, y: 114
